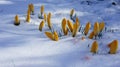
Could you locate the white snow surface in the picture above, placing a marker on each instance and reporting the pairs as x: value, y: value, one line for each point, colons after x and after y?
x: 26, y: 46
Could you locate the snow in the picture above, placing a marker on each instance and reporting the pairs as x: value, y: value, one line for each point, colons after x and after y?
x: 5, y: 2
x: 26, y: 46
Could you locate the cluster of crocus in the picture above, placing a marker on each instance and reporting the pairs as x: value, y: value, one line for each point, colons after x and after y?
x: 53, y: 36
x: 45, y: 17
x: 113, y: 46
x: 47, y: 20
x: 29, y: 12
x: 68, y: 25
x: 98, y: 28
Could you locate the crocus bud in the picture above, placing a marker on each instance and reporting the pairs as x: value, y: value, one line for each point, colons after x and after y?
x: 49, y: 35
x: 91, y: 35
x: 94, y: 48
x: 64, y: 23
x: 41, y: 25
x: 87, y: 28
x: 16, y: 20
x: 45, y: 17
x: 42, y: 9
x: 96, y: 28
x: 49, y: 20
x: 72, y: 12
x: 77, y: 21
x: 101, y: 26
x: 75, y: 29
x: 70, y: 25
x: 56, y: 38
x: 113, y: 47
